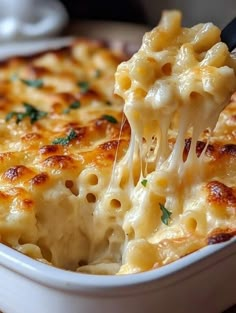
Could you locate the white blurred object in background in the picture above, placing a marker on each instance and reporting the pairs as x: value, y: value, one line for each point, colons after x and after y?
x: 29, y: 19
x: 194, y: 11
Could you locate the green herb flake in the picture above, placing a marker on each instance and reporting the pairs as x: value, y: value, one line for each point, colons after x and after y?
x: 72, y: 135
x: 30, y: 111
x: 65, y: 140
x: 73, y: 106
x: 84, y: 86
x: 35, y: 83
x: 144, y: 182
x: 166, y: 215
x: 97, y: 73
x: 9, y: 116
x: 110, y: 118
x: 14, y: 77
x: 66, y: 111
x: 61, y: 141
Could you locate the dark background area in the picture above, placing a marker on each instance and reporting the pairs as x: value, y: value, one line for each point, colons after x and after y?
x: 149, y: 11
x: 121, y: 10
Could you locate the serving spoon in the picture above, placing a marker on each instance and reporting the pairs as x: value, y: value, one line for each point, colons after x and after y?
x: 228, y: 35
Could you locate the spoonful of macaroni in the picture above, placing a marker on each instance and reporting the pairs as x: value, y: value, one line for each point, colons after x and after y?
x: 183, y: 71
x: 174, y: 89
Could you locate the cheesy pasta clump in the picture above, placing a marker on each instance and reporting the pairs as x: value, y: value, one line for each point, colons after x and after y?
x: 174, y: 89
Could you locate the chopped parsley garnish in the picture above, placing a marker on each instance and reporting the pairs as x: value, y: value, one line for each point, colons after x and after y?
x: 84, y: 86
x: 14, y: 77
x: 65, y: 140
x: 144, y: 182
x: 166, y: 215
x: 30, y: 111
x: 110, y: 118
x: 97, y: 73
x: 35, y: 83
x: 73, y: 106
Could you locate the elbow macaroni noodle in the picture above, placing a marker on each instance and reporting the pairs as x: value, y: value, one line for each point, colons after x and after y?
x: 97, y: 187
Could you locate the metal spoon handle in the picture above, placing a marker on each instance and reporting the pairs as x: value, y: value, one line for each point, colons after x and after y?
x: 228, y: 35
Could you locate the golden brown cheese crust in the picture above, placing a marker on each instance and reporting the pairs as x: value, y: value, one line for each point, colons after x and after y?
x: 75, y: 94
x: 221, y: 194
x: 220, y: 186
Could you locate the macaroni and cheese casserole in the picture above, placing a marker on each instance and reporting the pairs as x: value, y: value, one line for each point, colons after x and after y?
x: 110, y: 165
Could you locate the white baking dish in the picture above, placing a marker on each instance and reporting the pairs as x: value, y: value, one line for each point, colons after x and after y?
x: 201, y: 282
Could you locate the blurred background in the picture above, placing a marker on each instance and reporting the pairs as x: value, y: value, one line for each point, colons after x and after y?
x: 149, y: 11
x: 127, y: 20
x: 30, y: 19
